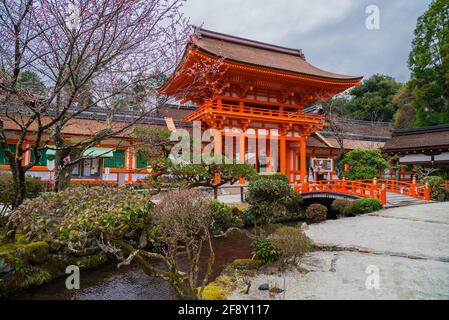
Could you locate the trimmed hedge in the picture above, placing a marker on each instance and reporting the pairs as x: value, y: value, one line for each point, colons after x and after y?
x: 34, y: 187
x: 438, y: 190
x: 316, y: 213
x: 284, y: 244
x: 271, y: 199
x: 363, y: 206
x: 340, y: 206
x: 271, y: 176
x: 224, y: 217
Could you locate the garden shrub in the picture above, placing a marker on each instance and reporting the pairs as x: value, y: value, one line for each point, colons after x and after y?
x: 183, y: 219
x: 290, y: 243
x: 264, y: 251
x: 434, y: 181
x: 77, y: 216
x: 34, y: 187
x: 340, y: 206
x: 267, y: 190
x: 364, y: 164
x: 259, y: 213
x: 248, y: 217
x: 271, y: 176
x: 316, y: 213
x: 224, y: 217
x: 363, y: 205
x: 293, y: 202
x: 271, y: 199
x: 438, y: 190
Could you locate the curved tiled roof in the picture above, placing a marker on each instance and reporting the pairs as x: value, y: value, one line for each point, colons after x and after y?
x: 256, y: 53
x: 419, y: 138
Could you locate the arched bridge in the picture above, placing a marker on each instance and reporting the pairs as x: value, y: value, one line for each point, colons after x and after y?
x: 353, y: 189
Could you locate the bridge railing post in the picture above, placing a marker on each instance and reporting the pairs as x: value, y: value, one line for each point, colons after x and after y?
x: 296, y: 187
x: 427, y: 192
x: 383, y: 195
x: 374, y: 188
x: 413, y: 188
x: 305, y: 185
x: 343, y: 185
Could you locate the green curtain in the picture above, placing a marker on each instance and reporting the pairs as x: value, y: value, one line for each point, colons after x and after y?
x: 3, y: 159
x: 43, y: 159
x: 117, y: 161
x: 307, y: 162
x: 141, y: 163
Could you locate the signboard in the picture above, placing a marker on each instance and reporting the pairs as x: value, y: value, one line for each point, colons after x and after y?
x: 50, y: 165
x: 170, y: 124
x: 323, y: 164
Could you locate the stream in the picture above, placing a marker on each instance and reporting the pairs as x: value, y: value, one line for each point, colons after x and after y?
x: 131, y: 283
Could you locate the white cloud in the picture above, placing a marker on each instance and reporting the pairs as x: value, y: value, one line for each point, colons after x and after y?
x: 332, y: 33
x: 267, y: 20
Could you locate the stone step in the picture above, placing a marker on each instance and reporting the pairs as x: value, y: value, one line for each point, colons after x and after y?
x: 402, y: 200
x: 404, y: 203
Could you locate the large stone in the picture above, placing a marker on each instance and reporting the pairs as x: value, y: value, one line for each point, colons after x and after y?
x: 5, y: 267
x: 420, y: 231
x: 264, y: 287
x: 38, y: 253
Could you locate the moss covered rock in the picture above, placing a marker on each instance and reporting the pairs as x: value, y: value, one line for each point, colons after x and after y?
x: 25, y: 265
x: 245, y: 264
x: 214, y: 292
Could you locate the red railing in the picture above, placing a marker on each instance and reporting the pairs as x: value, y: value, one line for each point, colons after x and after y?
x: 246, y: 111
x: 375, y: 188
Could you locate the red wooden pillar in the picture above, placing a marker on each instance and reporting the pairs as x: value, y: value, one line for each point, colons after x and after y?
x: 268, y: 151
x: 218, y: 146
x: 283, y: 154
x: 242, y: 149
x: 303, y: 163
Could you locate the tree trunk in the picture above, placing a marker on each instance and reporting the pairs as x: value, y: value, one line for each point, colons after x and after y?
x: 215, y: 193
x: 20, y: 193
x: 62, y: 169
x: 19, y: 187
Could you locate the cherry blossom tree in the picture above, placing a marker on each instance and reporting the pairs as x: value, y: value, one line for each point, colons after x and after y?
x: 97, y: 57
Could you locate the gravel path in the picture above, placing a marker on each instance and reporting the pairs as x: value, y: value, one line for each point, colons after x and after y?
x: 407, y: 247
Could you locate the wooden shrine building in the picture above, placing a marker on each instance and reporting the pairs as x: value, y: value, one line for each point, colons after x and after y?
x: 426, y: 146
x: 264, y: 89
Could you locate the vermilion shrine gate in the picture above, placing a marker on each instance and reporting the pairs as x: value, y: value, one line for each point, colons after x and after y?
x: 259, y: 89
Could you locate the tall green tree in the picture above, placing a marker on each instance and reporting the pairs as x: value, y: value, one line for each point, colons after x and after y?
x: 405, y: 116
x: 429, y: 65
x: 364, y: 164
x: 373, y: 100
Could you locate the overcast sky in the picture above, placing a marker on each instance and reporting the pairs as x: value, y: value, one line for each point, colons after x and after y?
x: 332, y: 33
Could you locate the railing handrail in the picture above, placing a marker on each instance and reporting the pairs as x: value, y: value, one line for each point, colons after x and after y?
x: 372, y: 188
x: 255, y: 111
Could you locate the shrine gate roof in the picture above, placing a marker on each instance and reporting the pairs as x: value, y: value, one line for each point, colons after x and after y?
x: 261, y: 54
